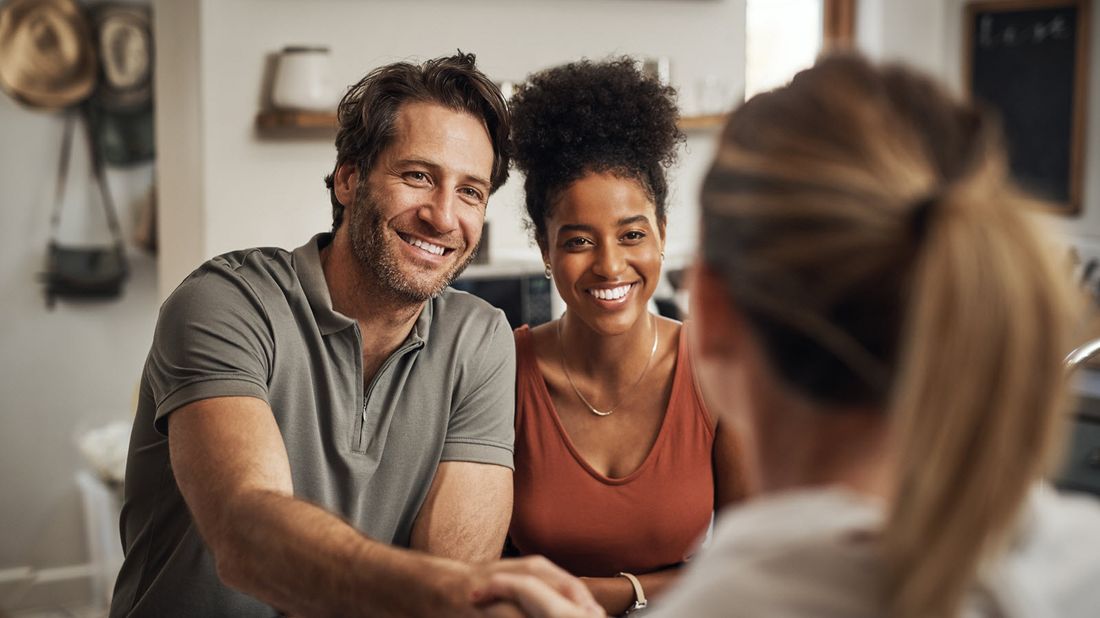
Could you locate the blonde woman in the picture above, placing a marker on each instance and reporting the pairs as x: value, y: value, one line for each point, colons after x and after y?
x: 879, y: 316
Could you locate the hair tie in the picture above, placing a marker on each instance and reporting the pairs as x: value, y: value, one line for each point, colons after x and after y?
x: 920, y: 216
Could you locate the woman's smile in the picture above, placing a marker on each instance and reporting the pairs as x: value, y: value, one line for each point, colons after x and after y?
x: 611, y: 296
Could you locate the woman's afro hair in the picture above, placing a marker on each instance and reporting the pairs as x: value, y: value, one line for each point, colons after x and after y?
x: 588, y: 117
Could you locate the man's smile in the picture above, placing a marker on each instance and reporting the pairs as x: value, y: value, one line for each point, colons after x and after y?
x: 428, y: 246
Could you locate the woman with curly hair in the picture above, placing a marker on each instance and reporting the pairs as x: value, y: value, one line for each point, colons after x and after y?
x: 619, y: 466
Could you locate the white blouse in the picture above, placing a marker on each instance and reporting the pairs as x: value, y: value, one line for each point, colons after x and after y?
x: 812, y: 553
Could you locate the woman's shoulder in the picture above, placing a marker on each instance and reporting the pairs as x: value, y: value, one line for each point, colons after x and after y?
x: 1059, y: 522
x: 670, y: 328
x: 542, y: 332
x: 671, y: 333
x: 537, y: 341
x: 536, y: 348
x: 779, y: 556
x: 1053, y: 562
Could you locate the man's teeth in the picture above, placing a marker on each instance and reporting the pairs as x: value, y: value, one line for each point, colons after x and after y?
x: 427, y: 246
x: 610, y: 294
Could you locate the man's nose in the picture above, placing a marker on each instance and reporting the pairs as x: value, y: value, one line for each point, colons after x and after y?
x: 439, y: 211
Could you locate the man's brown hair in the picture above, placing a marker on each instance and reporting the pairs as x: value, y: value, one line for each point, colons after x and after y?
x: 368, y: 112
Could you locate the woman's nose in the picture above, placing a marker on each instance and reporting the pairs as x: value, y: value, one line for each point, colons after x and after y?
x: 610, y: 261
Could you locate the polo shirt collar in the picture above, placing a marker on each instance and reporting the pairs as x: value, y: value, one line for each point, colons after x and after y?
x: 307, y: 263
x: 424, y: 322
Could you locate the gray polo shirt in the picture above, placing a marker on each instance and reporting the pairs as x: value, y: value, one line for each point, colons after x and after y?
x: 259, y: 323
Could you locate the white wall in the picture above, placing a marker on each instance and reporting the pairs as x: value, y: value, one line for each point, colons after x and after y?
x: 252, y: 190
x: 904, y: 30
x: 63, y: 371
x: 179, y: 140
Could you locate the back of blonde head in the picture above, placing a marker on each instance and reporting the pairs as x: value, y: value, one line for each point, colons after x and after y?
x: 865, y: 224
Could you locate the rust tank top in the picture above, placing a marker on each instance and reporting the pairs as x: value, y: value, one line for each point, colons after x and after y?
x: 596, y: 526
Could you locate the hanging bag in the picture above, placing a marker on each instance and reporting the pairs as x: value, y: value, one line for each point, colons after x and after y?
x: 88, y: 272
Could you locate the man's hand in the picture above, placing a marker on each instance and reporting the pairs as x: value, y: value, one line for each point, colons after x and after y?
x: 538, y: 587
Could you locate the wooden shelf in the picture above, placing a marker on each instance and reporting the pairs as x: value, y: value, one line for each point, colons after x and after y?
x: 702, y: 123
x: 295, y: 121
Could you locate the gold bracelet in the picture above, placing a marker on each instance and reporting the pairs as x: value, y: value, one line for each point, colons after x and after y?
x: 640, y: 601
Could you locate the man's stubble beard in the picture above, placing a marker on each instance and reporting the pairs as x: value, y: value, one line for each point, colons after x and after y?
x: 369, y: 244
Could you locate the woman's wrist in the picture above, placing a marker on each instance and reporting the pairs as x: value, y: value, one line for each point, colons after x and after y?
x: 614, y: 594
x: 640, y: 601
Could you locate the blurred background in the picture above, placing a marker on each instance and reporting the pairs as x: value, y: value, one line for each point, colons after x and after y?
x: 240, y: 105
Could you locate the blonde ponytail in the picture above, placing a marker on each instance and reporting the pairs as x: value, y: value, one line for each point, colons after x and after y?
x: 866, y: 228
x: 978, y: 393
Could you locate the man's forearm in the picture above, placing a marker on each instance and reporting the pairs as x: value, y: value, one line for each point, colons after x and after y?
x: 306, y: 561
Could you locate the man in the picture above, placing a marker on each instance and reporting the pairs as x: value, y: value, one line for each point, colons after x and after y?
x: 302, y: 413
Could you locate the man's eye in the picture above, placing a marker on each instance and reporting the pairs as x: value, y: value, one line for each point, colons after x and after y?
x: 417, y: 177
x: 472, y: 193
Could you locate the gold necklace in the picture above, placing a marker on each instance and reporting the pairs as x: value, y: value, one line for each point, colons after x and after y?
x: 592, y: 408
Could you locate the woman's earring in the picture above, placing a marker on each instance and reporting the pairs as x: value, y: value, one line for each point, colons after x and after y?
x: 662, y: 256
x: 546, y: 271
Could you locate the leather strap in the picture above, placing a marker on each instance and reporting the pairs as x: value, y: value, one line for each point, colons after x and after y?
x: 640, y: 601
x: 97, y: 174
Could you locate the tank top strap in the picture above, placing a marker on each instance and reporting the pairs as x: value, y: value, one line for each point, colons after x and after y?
x: 525, y: 350
x: 686, y: 399
x: 531, y: 393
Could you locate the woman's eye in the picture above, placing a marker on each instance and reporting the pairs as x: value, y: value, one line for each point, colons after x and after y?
x: 576, y: 242
x: 634, y: 235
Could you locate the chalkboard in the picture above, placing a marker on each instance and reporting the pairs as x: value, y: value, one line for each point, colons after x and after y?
x: 1028, y: 60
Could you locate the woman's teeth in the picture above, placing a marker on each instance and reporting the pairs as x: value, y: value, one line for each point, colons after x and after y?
x: 427, y: 246
x: 610, y: 293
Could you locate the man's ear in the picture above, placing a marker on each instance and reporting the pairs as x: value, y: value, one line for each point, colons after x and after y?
x: 346, y: 183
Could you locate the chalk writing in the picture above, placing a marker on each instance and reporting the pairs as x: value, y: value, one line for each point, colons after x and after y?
x: 1013, y: 35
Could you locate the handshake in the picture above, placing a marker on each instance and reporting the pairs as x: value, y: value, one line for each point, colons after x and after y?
x: 533, y: 587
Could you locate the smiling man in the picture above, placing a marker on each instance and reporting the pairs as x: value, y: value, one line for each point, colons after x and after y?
x: 302, y: 413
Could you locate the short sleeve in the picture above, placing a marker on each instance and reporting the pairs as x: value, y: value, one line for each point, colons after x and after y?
x: 212, y: 339
x: 482, y: 427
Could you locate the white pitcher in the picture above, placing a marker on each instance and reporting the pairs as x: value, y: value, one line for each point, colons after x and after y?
x: 303, y: 80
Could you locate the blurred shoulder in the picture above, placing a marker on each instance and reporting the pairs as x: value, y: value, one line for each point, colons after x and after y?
x: 802, y: 554
x: 1053, y: 561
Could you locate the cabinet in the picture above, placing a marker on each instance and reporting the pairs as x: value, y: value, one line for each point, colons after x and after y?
x: 1081, y: 467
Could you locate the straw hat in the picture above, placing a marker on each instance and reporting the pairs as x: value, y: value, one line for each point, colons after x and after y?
x: 46, y: 54
x: 124, y: 41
